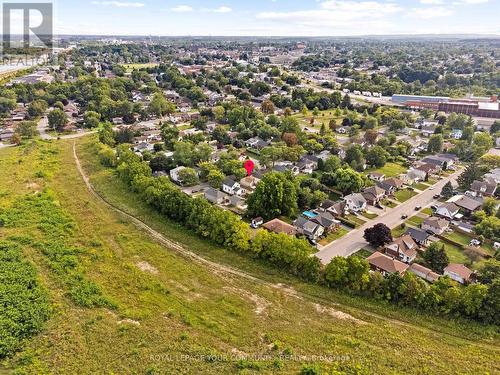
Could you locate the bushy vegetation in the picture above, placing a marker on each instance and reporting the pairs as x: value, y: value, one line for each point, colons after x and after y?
x: 40, y: 212
x: 24, y: 306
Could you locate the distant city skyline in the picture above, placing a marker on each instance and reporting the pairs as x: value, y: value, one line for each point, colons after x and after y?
x: 275, y: 17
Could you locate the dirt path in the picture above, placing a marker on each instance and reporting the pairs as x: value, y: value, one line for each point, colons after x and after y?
x: 317, y: 302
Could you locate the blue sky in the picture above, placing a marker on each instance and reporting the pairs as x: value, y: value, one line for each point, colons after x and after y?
x: 277, y: 17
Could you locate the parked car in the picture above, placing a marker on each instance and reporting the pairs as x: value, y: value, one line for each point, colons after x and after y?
x: 475, y: 242
x: 437, y: 196
x: 418, y: 208
x: 404, y: 217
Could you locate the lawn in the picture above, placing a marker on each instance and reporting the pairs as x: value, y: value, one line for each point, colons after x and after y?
x: 339, y: 233
x: 416, y: 221
x: 355, y: 219
x: 404, y: 195
x: 455, y: 254
x: 363, y: 253
x: 369, y: 215
x: 427, y: 211
x: 461, y: 238
x: 131, y: 67
x: 398, y: 231
x: 390, y: 170
x: 166, y: 306
x: 421, y: 186
x: 389, y: 203
x: 322, y: 117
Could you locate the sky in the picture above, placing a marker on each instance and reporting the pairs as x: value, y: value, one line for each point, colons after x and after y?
x: 274, y: 17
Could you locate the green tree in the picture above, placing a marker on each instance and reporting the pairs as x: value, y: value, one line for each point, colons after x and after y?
x: 447, y: 191
x: 215, y: 178
x: 37, y: 108
x: 160, y: 106
x: 435, y: 143
x: 91, y: 119
x: 377, y: 156
x: 348, y: 180
x: 169, y: 134
x: 106, y: 134
x: 188, y: 177
x: 471, y: 173
x: 435, y: 257
x: 57, y: 119
x: 27, y: 129
x: 275, y: 195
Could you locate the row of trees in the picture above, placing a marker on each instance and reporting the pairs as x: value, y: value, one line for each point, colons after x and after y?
x: 478, y: 301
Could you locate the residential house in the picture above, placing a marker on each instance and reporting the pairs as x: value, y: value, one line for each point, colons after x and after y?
x: 355, y: 202
x: 216, y: 196
x: 143, y: 146
x: 231, y: 187
x: 386, y: 264
x: 428, y: 129
x: 417, y: 174
x: 373, y: 195
x: 257, y: 222
x: 467, y: 204
x: 309, y: 228
x: 403, y: 248
x: 308, y: 164
x: 327, y: 221
x: 287, y: 167
x: 420, y: 237
x: 174, y: 174
x: 278, y: 226
x: 448, y: 210
x: 249, y: 183
x: 391, y: 185
x: 493, y: 176
x: 375, y: 176
x: 256, y: 143
x: 337, y: 209
x: 483, y: 188
x: 458, y: 272
x: 424, y: 272
x: 456, y: 133
x: 428, y: 169
x: 435, y: 225
x: 238, y: 202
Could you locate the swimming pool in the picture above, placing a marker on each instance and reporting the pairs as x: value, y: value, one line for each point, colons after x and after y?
x: 310, y: 214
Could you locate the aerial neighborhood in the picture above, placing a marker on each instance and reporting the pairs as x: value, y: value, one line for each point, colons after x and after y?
x: 328, y: 163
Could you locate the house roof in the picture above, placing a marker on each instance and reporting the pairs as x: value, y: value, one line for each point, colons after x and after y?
x: 459, y: 269
x: 436, y: 222
x: 325, y: 219
x: 386, y: 263
x: 374, y: 191
x: 417, y: 234
x: 468, y: 203
x: 356, y: 198
x: 484, y: 187
x: 228, y: 181
x: 279, y: 226
x: 450, y: 207
x: 428, y: 273
x: 405, y: 245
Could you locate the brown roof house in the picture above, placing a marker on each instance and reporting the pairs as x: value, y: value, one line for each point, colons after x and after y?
x: 385, y: 264
x: 391, y: 185
x: 278, y: 226
x: 458, y: 272
x: 435, y: 225
x: 403, y: 248
x: 335, y: 208
x: 373, y: 194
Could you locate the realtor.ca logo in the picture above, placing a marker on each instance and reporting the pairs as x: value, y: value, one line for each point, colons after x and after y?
x: 27, y: 25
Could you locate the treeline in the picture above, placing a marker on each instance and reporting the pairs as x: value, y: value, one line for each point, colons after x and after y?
x: 476, y: 301
x: 220, y: 226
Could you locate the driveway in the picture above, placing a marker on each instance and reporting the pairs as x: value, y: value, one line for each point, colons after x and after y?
x: 354, y: 241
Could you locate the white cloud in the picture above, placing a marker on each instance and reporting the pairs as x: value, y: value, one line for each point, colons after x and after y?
x: 474, y: 1
x: 119, y: 4
x: 335, y: 13
x: 431, y: 2
x: 431, y: 12
x: 182, y: 9
x: 221, y: 9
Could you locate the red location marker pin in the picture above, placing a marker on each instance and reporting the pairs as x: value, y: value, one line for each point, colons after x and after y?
x: 249, y: 166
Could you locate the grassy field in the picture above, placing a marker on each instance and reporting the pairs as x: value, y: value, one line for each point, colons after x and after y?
x: 370, y: 215
x: 404, y: 195
x: 416, y: 221
x: 131, y: 67
x: 389, y: 170
x: 171, y: 313
x: 323, y: 117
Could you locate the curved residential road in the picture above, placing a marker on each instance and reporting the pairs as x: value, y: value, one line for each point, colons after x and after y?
x: 43, y: 125
x: 354, y: 241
